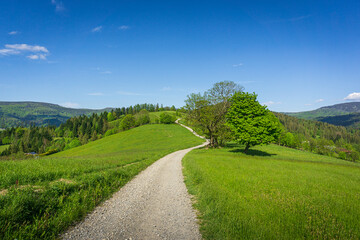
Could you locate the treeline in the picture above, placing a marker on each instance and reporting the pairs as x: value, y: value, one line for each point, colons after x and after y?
x: 79, y: 130
x: 320, y: 137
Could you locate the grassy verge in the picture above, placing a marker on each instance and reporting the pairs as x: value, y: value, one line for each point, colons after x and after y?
x: 40, y: 198
x: 273, y: 193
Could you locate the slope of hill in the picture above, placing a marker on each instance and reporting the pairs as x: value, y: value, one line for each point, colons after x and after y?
x: 348, y: 120
x: 273, y: 192
x: 24, y: 113
x: 42, y: 197
x: 350, y: 113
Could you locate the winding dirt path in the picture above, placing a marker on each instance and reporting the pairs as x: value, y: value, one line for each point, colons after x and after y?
x: 154, y: 205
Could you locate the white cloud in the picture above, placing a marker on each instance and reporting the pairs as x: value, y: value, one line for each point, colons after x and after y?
x: 319, y: 100
x: 128, y: 93
x: 308, y: 104
x: 271, y: 103
x: 70, y: 105
x: 59, y: 6
x: 97, y: 29
x: 13, y: 33
x: 7, y: 51
x: 14, y: 49
x: 124, y: 27
x: 26, y: 47
x: 353, y: 96
x: 166, y: 89
x: 237, y: 65
x: 37, y: 56
x: 96, y: 94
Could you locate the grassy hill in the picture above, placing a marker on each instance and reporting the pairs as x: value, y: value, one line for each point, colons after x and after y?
x: 344, y: 114
x: 24, y: 113
x: 39, y: 198
x: 273, y: 193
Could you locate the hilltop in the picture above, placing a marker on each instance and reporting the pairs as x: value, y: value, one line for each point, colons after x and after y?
x: 23, y: 113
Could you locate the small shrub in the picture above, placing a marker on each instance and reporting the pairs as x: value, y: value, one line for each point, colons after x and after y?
x: 166, y: 118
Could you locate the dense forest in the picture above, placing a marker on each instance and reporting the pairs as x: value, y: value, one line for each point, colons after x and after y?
x: 320, y: 137
x: 79, y: 130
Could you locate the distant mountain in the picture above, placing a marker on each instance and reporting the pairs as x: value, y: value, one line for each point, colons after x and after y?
x: 343, y: 114
x: 25, y: 113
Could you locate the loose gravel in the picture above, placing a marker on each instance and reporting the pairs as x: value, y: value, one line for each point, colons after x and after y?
x: 154, y: 205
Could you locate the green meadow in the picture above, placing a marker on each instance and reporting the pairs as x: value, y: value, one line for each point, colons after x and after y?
x: 41, y: 197
x: 273, y: 192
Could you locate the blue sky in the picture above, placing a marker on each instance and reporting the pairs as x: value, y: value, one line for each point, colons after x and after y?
x: 296, y: 55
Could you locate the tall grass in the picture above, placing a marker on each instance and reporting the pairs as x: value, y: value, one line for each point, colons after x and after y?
x: 274, y: 193
x: 40, y: 198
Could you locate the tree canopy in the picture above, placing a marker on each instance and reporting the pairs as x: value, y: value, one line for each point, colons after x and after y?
x: 251, y: 123
x: 207, y: 111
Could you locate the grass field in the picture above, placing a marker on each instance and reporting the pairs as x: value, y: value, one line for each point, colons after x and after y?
x: 39, y: 198
x: 273, y: 193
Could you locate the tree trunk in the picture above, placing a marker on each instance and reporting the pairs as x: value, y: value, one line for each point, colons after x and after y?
x: 247, y: 146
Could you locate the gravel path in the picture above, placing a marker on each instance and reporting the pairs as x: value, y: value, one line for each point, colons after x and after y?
x: 154, y: 205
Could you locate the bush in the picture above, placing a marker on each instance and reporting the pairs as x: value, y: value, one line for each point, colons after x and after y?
x: 74, y: 143
x: 166, y: 118
x: 127, y: 122
x: 110, y: 132
x: 142, y: 117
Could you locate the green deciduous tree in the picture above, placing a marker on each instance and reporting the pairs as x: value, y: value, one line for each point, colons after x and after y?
x: 127, y: 122
x: 166, y: 118
x: 250, y: 122
x: 207, y: 111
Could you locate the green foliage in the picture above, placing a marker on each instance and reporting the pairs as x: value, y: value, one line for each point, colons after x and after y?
x: 127, y: 122
x: 47, y: 195
x: 319, y: 137
x: 207, y: 111
x: 110, y: 117
x: 110, y: 132
x: 273, y: 192
x: 142, y: 117
x: 74, y: 143
x: 166, y: 118
x: 250, y: 122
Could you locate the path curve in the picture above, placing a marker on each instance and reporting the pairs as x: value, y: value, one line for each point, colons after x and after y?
x: 153, y: 205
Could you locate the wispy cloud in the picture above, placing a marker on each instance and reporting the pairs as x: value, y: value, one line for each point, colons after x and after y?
x: 96, y: 94
x: 166, y: 89
x: 237, y: 65
x: 124, y: 27
x: 293, y: 19
x: 59, y: 6
x: 106, y: 72
x: 128, y: 93
x: 26, y: 47
x: 39, y: 52
x: 7, y: 51
x: 70, y: 105
x: 271, y: 103
x: 353, y: 96
x: 36, y: 57
x: 308, y: 104
x: 319, y: 100
x: 13, y: 32
x: 96, y: 29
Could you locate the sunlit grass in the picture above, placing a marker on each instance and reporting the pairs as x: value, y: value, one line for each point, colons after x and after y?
x: 39, y: 198
x: 274, y: 193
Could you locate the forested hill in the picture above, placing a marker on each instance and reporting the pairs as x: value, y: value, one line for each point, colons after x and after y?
x: 344, y: 114
x: 24, y: 113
